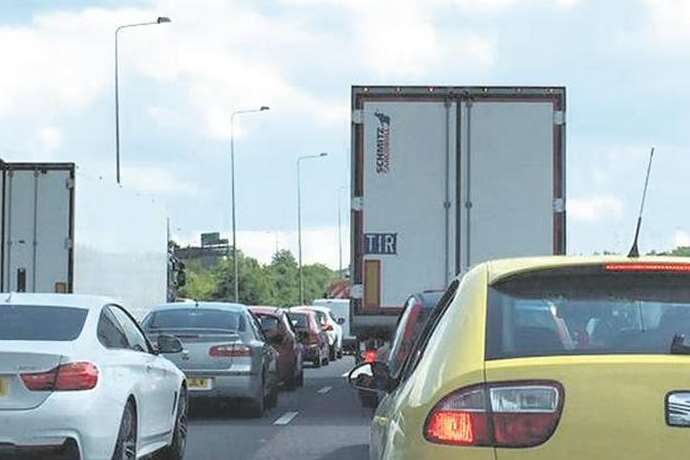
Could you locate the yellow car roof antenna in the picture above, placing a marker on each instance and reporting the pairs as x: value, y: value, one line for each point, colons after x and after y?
x: 634, y: 251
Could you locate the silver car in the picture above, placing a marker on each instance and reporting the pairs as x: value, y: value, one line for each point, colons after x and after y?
x: 225, y: 353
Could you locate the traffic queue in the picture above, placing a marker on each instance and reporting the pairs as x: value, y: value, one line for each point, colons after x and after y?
x: 81, y: 378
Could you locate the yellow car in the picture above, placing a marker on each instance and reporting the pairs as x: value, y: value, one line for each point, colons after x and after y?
x: 545, y: 358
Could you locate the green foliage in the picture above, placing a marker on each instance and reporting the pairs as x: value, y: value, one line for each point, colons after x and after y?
x: 680, y: 251
x: 274, y: 284
x: 200, y: 283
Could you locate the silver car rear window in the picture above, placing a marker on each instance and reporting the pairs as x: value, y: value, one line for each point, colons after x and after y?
x: 196, y: 318
x: 587, y: 311
x: 41, y: 323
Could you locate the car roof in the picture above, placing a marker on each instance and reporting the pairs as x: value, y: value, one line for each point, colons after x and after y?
x: 503, y: 268
x: 305, y: 310
x: 208, y: 305
x: 275, y: 311
x: 88, y: 302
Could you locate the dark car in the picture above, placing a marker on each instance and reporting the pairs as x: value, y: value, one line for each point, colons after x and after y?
x: 416, y: 312
x: 311, y: 335
x: 283, y: 337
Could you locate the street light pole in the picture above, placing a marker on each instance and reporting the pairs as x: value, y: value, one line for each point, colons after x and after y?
x: 160, y: 20
x: 299, y: 223
x: 340, y: 234
x: 236, y: 269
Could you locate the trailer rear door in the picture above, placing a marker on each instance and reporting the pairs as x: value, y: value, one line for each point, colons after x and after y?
x: 508, y: 181
x: 408, y: 166
x: 36, y: 230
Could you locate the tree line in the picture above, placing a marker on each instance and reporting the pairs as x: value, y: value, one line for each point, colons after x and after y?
x: 275, y: 284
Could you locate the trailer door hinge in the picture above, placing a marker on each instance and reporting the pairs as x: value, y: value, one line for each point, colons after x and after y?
x: 358, y: 116
x: 559, y: 205
x: 559, y: 117
x: 357, y: 203
x: 356, y: 291
x: 69, y: 183
x: 68, y: 243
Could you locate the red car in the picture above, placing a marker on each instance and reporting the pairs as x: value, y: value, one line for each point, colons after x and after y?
x: 278, y: 330
x: 313, y: 337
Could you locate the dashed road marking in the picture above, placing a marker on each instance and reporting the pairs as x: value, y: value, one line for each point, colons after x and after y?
x: 324, y: 390
x: 286, y: 418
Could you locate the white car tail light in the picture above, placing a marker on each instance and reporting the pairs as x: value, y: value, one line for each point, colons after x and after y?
x: 67, y: 377
x: 498, y: 415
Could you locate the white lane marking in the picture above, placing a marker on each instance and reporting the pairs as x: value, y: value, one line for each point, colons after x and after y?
x: 324, y: 390
x: 286, y: 418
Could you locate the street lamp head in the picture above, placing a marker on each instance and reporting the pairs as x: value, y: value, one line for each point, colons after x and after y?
x: 264, y: 107
x: 163, y: 19
x: 323, y: 154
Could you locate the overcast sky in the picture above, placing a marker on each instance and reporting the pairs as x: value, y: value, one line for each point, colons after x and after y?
x: 625, y: 64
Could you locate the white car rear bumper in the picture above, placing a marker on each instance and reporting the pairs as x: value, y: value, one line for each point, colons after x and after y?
x: 81, y: 416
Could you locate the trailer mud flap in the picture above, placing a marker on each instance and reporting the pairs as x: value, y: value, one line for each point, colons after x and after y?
x: 372, y: 284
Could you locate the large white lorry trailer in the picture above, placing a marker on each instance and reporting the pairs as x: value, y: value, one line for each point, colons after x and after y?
x: 444, y: 178
x: 63, y: 231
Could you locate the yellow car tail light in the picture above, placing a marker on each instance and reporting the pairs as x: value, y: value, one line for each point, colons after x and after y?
x: 516, y: 414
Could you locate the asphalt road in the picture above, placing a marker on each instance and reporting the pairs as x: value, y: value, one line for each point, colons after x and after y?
x: 329, y: 424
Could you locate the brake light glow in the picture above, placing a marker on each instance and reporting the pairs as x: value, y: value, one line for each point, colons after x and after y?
x: 648, y: 267
x: 67, y: 377
x: 369, y: 356
x: 231, y: 350
x: 497, y: 415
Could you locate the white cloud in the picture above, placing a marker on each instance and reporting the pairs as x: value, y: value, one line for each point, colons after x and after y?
x: 50, y: 138
x: 157, y: 181
x: 594, y: 209
x: 681, y: 238
x: 669, y: 22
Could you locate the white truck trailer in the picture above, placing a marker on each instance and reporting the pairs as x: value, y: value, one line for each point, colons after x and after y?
x: 63, y: 231
x: 444, y: 178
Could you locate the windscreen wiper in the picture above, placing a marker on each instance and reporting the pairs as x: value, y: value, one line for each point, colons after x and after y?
x: 678, y: 346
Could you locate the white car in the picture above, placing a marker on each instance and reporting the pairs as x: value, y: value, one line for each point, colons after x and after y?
x: 78, y: 378
x: 333, y: 330
x: 341, y: 310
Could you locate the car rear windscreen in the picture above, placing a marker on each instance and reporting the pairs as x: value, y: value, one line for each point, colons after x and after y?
x: 587, y: 311
x: 298, y: 320
x: 29, y: 322
x: 196, y: 318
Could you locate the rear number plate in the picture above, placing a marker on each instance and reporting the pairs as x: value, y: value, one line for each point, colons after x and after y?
x: 4, y: 388
x: 199, y: 384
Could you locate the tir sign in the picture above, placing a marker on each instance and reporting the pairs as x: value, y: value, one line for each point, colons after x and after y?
x: 381, y: 243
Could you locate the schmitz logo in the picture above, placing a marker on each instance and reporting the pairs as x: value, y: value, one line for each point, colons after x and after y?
x: 383, y: 144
